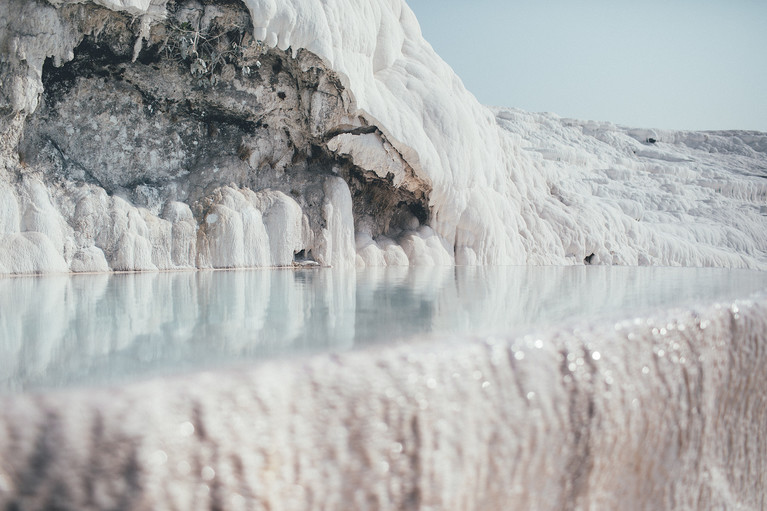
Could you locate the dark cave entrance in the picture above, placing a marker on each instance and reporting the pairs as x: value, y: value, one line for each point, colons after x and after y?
x: 187, y: 133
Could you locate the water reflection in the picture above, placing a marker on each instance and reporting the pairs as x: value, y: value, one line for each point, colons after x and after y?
x: 95, y: 329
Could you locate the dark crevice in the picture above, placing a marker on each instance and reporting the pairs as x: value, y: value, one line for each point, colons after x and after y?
x: 67, y: 164
x: 150, y: 56
x: 222, y: 117
x: 303, y: 257
x: 377, y: 198
x: 92, y: 60
x: 361, y: 130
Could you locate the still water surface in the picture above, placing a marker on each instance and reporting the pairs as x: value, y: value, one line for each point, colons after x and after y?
x: 59, y: 331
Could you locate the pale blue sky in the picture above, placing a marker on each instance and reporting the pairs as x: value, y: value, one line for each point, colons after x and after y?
x: 675, y: 64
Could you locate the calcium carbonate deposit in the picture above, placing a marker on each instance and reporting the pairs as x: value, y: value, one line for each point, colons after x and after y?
x: 659, y: 413
x: 198, y: 134
x: 144, y: 135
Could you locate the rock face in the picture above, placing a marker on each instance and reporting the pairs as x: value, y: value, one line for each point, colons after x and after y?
x: 179, y: 134
x: 186, y: 143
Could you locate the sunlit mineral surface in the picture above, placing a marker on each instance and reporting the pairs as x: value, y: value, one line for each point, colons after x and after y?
x: 181, y: 135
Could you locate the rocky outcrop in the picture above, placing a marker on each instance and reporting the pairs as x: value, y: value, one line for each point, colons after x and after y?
x: 183, y: 142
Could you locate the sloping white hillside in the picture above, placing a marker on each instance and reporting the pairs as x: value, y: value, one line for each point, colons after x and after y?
x: 495, y: 200
x: 638, y: 196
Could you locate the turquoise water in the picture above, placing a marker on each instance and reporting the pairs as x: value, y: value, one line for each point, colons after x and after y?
x: 60, y: 331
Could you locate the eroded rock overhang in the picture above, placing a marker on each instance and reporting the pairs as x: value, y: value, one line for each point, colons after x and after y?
x: 184, y: 142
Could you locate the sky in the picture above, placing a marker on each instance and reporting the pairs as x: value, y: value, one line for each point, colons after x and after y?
x: 667, y: 64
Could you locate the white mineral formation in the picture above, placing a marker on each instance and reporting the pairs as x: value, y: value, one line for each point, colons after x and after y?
x: 142, y: 135
x: 662, y: 413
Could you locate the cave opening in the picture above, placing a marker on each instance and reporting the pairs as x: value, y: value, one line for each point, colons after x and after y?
x: 159, y: 129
